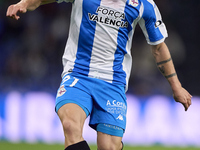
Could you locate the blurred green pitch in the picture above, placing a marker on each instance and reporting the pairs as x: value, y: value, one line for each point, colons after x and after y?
x: 41, y: 146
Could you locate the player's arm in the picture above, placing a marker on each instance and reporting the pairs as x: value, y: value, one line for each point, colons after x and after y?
x: 25, y: 5
x: 165, y: 65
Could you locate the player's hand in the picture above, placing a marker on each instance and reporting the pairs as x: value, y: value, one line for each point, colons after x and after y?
x: 13, y: 10
x: 182, y: 96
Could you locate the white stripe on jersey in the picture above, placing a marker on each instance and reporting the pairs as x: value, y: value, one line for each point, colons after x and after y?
x: 127, y: 63
x: 101, y: 64
x: 69, y: 56
x: 151, y: 1
x: 161, y: 27
x: 142, y: 23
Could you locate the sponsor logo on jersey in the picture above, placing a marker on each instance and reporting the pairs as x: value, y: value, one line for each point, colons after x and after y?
x: 134, y: 3
x: 61, y: 91
x: 158, y: 23
x: 109, y: 16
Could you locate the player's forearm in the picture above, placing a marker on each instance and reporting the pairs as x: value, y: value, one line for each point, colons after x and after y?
x: 31, y: 5
x: 165, y: 64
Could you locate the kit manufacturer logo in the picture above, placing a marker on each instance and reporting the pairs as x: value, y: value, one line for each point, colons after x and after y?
x: 120, y: 117
x: 158, y: 23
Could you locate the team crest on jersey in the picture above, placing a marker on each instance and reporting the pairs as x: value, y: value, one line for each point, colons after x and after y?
x: 61, y: 91
x: 134, y: 3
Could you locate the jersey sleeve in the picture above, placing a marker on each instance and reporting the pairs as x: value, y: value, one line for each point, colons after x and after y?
x: 151, y: 23
x: 60, y: 1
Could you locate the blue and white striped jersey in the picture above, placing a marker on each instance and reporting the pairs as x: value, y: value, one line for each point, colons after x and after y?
x: 100, y: 36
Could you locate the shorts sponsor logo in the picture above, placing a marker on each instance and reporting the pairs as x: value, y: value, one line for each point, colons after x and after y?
x: 116, y: 107
x: 61, y: 91
x: 115, y: 103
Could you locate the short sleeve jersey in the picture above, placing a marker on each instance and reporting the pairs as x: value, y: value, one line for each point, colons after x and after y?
x: 100, y: 36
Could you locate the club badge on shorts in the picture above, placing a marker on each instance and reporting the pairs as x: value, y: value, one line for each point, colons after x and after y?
x: 134, y: 3
x: 61, y: 91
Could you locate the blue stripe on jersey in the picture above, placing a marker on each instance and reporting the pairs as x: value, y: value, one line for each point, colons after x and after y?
x: 131, y: 14
x: 153, y: 32
x: 86, y: 37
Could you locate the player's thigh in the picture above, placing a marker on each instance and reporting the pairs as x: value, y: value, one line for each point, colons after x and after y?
x: 72, y: 114
x: 108, y: 142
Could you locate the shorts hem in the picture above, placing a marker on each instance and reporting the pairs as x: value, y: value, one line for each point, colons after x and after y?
x: 110, y: 129
x: 93, y: 125
x: 63, y: 102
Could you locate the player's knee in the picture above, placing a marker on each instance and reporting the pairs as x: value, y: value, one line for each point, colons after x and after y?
x: 72, y: 132
x: 67, y: 125
x: 71, y: 128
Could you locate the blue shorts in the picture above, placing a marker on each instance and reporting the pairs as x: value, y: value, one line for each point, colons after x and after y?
x: 103, y: 101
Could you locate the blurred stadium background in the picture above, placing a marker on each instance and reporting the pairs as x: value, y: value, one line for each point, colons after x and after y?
x: 30, y: 68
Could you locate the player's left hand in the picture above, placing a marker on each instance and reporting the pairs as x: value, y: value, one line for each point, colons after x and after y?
x: 13, y: 10
x: 182, y: 96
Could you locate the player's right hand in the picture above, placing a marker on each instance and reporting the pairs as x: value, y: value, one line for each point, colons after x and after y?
x: 183, y: 96
x: 13, y: 10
